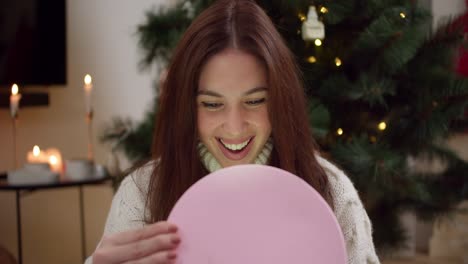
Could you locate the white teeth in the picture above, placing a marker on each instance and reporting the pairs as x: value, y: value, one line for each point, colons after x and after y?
x: 236, y: 146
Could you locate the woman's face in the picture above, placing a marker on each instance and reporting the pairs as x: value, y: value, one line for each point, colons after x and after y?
x: 232, y: 108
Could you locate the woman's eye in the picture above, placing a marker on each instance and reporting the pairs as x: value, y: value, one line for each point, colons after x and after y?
x: 211, y: 105
x: 256, y: 102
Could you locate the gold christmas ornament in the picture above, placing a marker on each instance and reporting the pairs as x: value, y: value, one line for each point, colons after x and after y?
x: 312, y: 28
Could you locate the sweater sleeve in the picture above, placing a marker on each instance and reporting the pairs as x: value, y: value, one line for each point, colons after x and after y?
x: 351, y: 215
x: 127, y: 210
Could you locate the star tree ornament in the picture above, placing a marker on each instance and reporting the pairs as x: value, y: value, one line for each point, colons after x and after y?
x: 312, y: 27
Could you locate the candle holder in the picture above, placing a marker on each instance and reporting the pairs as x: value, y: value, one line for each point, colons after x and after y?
x: 89, y: 122
x: 14, y: 119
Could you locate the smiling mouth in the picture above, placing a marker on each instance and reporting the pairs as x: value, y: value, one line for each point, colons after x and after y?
x: 235, y: 148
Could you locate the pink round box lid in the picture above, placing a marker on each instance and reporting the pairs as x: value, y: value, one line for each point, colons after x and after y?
x: 255, y: 214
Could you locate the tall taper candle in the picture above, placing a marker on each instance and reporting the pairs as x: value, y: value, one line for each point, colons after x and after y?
x: 15, y: 98
x: 88, y: 87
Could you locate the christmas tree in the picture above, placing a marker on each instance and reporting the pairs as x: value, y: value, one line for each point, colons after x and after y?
x: 383, y: 94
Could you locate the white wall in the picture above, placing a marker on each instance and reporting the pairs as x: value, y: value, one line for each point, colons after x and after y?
x: 444, y: 8
x: 101, y: 41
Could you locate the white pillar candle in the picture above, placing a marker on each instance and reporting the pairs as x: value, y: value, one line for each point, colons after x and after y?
x: 37, y: 156
x: 55, y: 160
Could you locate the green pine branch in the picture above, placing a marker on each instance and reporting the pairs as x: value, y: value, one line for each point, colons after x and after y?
x: 161, y: 32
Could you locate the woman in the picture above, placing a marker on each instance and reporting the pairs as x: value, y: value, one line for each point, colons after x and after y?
x: 232, y: 96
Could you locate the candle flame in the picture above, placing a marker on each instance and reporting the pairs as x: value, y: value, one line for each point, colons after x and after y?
x: 36, y: 151
x: 88, y: 79
x: 53, y: 159
x: 14, y: 89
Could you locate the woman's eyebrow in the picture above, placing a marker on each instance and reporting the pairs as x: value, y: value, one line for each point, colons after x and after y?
x: 256, y: 90
x: 215, y: 94
x: 208, y: 92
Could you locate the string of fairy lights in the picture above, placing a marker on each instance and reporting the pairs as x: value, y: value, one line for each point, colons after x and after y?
x: 381, y: 126
x: 312, y: 22
x: 319, y: 41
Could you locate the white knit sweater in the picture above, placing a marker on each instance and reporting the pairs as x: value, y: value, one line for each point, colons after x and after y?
x: 127, y: 211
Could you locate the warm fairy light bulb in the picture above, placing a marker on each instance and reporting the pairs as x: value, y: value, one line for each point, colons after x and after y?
x: 53, y: 160
x: 312, y: 59
x: 14, y: 89
x: 302, y: 17
x: 402, y: 15
x: 323, y: 10
x: 318, y: 42
x: 337, y: 62
x: 88, y: 79
x: 382, y: 126
x: 36, y: 151
x: 339, y: 131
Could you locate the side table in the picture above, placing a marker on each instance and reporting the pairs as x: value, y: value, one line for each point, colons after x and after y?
x: 19, y: 189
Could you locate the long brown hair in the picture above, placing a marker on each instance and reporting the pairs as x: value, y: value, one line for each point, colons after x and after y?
x: 242, y: 25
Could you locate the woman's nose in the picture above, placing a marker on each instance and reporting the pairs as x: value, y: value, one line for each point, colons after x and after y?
x: 235, y: 123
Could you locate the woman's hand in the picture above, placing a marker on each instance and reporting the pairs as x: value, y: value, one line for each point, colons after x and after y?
x: 153, y: 244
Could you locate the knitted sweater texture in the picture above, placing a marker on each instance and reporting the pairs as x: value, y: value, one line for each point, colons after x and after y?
x: 128, y: 211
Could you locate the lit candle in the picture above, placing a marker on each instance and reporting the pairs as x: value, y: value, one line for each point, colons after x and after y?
x: 88, y: 86
x: 55, y: 160
x: 14, y: 100
x: 37, y: 156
